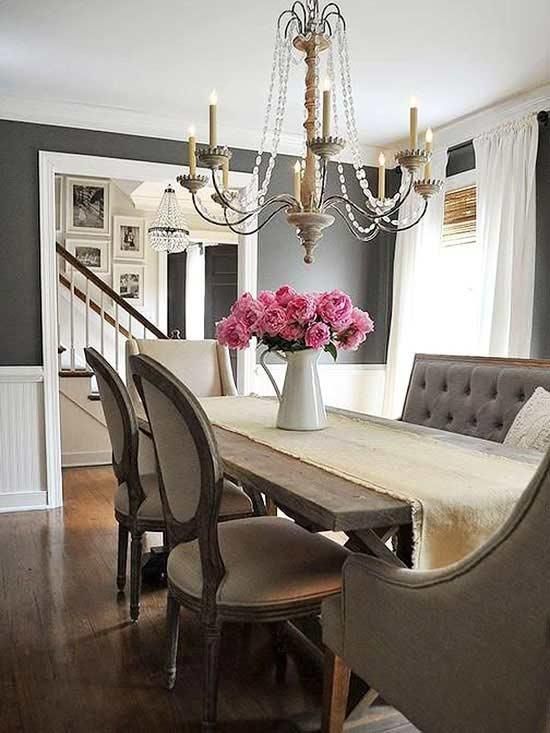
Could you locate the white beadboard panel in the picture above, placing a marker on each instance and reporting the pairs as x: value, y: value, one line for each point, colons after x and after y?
x: 22, y: 439
x: 358, y: 387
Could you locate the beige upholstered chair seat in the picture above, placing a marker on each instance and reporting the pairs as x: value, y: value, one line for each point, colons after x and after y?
x: 234, y: 500
x: 268, y: 561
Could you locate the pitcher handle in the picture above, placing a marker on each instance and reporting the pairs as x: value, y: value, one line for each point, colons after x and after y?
x: 268, y: 372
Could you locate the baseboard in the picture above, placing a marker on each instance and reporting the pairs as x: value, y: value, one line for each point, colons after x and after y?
x: 90, y: 458
x: 23, y: 501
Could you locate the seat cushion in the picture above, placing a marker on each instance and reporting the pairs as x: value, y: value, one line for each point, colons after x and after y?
x: 269, y: 561
x: 234, y: 500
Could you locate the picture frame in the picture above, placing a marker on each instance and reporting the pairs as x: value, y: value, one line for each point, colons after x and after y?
x: 88, y: 206
x: 92, y: 253
x: 59, y: 207
x: 129, y: 282
x: 128, y: 238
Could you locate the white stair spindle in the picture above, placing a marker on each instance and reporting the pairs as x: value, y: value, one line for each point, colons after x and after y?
x: 72, y: 350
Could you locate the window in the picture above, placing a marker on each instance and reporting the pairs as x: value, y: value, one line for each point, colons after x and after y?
x: 459, y: 219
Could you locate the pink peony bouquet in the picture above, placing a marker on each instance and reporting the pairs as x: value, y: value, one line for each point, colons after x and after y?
x: 291, y: 321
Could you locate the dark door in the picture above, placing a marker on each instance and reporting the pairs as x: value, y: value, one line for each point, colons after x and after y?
x: 221, y: 268
x: 176, y: 292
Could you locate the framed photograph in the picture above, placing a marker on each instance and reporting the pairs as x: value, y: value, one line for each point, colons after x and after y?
x: 88, y: 205
x: 91, y: 253
x: 129, y: 282
x: 59, y: 206
x: 128, y: 238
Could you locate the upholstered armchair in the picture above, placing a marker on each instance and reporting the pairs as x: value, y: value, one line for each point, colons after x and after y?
x: 203, y: 366
x: 464, y: 649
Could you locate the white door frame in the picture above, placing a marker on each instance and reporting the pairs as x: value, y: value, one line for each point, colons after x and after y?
x: 50, y: 164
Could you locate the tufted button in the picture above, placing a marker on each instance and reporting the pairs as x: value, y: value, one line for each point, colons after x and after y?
x: 473, y: 421
x: 428, y: 414
x: 445, y: 387
x: 521, y: 396
x: 495, y: 394
x: 499, y: 425
x: 422, y: 385
x: 468, y: 390
x: 450, y: 418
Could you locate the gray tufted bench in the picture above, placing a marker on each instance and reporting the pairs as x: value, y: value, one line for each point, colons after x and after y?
x: 477, y: 396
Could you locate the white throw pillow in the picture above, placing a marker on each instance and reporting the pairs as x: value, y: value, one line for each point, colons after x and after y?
x: 531, y: 428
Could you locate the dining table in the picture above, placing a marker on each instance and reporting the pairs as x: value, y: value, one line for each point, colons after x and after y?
x: 372, y: 521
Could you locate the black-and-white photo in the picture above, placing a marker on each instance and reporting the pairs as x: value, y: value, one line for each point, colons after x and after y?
x: 88, y: 206
x: 91, y: 253
x: 128, y: 282
x: 129, y: 238
x: 89, y: 256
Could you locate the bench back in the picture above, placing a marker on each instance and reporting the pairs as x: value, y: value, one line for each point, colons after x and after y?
x: 471, y: 395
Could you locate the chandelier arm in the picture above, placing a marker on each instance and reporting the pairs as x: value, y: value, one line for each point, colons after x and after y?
x: 287, y: 198
x: 333, y: 201
x: 368, y: 238
x: 338, y: 15
x: 261, y: 226
x: 203, y: 215
x: 395, y: 229
x: 273, y: 200
x: 372, y: 216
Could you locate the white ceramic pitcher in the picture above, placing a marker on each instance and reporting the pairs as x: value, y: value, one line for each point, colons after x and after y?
x: 301, y: 401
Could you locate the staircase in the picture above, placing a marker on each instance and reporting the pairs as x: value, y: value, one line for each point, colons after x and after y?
x: 90, y: 313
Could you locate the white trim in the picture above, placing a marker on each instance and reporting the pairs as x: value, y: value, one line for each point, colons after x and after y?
x: 77, y: 459
x: 49, y: 164
x: 135, y: 122
x: 461, y: 180
x: 23, y: 501
x: 247, y: 282
x: 25, y: 374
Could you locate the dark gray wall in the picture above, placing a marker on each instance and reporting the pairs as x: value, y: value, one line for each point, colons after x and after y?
x: 363, y: 270
x: 540, y: 345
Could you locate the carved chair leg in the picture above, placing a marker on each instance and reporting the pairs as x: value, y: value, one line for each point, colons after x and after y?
x: 122, y: 557
x: 135, y: 574
x: 172, y: 628
x: 212, y: 639
x: 335, y: 694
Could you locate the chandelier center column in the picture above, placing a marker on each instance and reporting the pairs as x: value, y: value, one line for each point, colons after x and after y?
x: 312, y: 46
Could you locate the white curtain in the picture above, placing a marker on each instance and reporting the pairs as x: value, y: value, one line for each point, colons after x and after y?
x: 194, y: 292
x: 505, y: 162
x: 414, y: 313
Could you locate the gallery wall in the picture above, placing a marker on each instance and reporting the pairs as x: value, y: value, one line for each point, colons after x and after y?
x: 365, y: 271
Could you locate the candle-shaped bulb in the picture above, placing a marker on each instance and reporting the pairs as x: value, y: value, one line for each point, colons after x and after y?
x: 429, y: 148
x: 413, y: 128
x: 327, y: 85
x: 327, y: 103
x: 381, y: 176
x: 192, y: 143
x: 298, y: 181
x: 213, y: 119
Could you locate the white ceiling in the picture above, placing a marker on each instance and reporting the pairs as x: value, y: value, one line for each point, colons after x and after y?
x: 163, y: 58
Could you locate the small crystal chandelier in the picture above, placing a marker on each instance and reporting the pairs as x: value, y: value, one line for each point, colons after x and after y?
x: 312, y: 31
x: 169, y: 231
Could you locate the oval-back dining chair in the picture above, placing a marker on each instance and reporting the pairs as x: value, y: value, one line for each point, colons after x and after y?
x: 138, y: 507
x: 262, y: 569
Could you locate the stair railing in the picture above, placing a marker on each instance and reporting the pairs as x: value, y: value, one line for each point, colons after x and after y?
x: 109, y: 309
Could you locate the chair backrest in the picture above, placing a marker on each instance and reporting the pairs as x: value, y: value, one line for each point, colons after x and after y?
x: 478, y: 396
x: 189, y: 465
x: 121, y: 424
x: 204, y: 366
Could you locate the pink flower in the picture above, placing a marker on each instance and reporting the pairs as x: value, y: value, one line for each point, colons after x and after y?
x: 284, y: 295
x: 335, y: 308
x: 267, y: 297
x: 301, y: 308
x: 362, y: 320
x: 233, y: 333
x: 350, y: 339
x: 273, y: 321
x: 317, y: 335
x: 252, y: 314
x: 293, y: 332
x: 240, y: 304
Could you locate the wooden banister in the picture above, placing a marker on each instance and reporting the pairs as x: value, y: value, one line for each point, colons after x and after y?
x: 98, y: 282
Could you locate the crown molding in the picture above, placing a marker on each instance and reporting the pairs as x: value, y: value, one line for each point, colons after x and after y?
x: 483, y: 120
x: 134, y: 122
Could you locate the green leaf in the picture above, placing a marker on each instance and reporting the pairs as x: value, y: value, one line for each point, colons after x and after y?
x: 331, y: 349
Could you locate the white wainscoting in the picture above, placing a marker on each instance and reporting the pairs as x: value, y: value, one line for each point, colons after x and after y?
x: 358, y: 387
x: 22, y: 447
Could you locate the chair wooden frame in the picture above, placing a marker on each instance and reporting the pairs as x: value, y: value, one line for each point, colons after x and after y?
x: 204, y: 526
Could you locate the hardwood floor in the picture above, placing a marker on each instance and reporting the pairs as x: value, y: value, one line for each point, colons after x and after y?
x: 71, y: 661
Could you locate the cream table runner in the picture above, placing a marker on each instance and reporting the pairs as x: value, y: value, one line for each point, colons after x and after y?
x: 459, y: 496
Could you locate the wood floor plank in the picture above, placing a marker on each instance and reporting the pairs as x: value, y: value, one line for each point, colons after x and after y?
x: 71, y: 661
